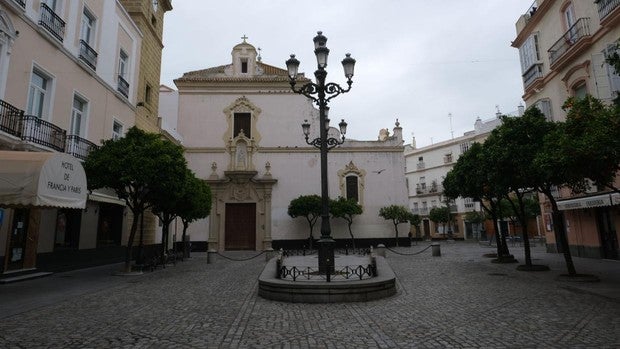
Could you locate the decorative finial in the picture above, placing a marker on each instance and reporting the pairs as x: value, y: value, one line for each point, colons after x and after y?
x: 259, y: 57
x: 214, y: 166
x: 397, y: 123
x: 244, y: 37
x: 267, y: 168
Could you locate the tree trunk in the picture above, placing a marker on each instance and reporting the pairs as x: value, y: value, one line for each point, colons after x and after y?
x: 396, y: 229
x: 350, y: 223
x: 185, y: 249
x: 559, y: 230
x: 132, y: 235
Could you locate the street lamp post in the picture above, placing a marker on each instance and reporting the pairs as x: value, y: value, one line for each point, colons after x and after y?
x: 321, y: 93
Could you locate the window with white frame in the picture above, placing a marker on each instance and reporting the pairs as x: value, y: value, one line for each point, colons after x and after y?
x: 117, y: 130
x: 38, y: 94
x: 78, y: 116
x: 580, y: 90
x: 422, y: 182
x: 465, y: 146
x: 88, y: 27
x: 614, y: 78
x: 544, y: 105
x: 123, y: 64
x: 529, y: 53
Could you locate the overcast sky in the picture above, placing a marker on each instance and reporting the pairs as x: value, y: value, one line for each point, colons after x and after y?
x: 417, y: 60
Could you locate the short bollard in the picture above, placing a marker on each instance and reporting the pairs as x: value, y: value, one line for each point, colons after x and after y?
x: 211, y: 256
x: 436, y: 249
x: 380, y: 250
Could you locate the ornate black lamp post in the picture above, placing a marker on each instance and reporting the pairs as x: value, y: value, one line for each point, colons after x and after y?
x: 321, y: 93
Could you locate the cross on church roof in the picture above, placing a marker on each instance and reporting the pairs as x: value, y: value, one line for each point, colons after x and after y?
x: 244, y: 37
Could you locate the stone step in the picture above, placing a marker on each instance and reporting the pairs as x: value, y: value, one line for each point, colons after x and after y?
x: 24, y: 277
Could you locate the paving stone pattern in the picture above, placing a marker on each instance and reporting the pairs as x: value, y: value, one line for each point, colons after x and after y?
x: 458, y: 300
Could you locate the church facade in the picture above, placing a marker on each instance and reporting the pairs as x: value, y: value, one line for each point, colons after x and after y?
x: 241, y: 128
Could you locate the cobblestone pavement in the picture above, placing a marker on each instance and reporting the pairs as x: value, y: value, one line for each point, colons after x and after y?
x: 458, y: 300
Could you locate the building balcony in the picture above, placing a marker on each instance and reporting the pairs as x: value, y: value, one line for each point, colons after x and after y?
x: 52, y: 22
x: 88, y: 55
x: 607, y: 9
x: 423, y: 211
x: 33, y: 129
x: 534, y: 73
x: 574, y: 38
x: 420, y: 165
x: 43, y: 133
x: 123, y: 86
x: 79, y: 147
x: 531, y: 11
x: 10, y: 119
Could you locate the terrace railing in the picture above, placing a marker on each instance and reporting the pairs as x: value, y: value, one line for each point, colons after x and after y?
x: 10, y: 119
x: 52, y: 22
x: 576, y: 32
x: 43, y: 132
x: 79, y: 147
x: 88, y: 55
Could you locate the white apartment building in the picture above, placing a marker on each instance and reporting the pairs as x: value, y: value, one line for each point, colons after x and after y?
x: 562, y: 46
x: 68, y: 72
x: 426, y: 168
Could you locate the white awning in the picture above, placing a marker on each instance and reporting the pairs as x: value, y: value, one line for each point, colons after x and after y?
x: 42, y: 179
x: 607, y: 199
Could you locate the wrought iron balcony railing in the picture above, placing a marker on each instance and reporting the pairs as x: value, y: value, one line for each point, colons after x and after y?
x: 420, y: 165
x: 52, y: 22
x: 21, y: 3
x: 578, y: 31
x: 532, y: 74
x: 88, y: 55
x: 605, y: 7
x: 123, y: 86
x: 43, y: 132
x: 79, y: 147
x: 10, y: 119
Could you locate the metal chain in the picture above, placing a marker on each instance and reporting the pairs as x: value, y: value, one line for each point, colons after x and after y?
x: 239, y: 260
x: 408, y: 254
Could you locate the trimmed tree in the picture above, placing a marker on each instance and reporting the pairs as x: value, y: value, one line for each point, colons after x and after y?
x: 415, y: 220
x: 132, y: 166
x: 440, y: 215
x: 195, y: 204
x: 346, y: 209
x: 309, y: 207
x: 397, y: 214
x: 471, y: 177
x: 167, y: 193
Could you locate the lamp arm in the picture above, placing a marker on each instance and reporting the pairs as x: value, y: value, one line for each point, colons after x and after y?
x: 332, y: 90
x: 309, y: 90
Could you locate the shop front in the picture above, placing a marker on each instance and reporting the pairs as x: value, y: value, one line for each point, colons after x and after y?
x: 32, y: 183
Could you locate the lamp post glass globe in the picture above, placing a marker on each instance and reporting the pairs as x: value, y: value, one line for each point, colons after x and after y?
x: 292, y: 65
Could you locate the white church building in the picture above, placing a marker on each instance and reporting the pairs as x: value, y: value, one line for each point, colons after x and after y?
x: 241, y: 129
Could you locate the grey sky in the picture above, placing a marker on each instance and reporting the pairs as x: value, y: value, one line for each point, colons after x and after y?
x: 417, y: 60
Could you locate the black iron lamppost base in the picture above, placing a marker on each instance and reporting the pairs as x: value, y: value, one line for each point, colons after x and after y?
x: 326, y: 255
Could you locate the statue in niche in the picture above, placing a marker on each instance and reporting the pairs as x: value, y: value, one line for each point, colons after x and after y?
x: 241, y: 156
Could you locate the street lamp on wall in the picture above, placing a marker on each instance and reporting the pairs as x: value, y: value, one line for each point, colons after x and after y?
x: 321, y: 93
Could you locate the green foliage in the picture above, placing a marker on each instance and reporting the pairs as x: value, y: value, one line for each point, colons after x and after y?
x: 440, y: 214
x: 196, y: 200
x: 474, y: 217
x: 346, y: 209
x: 140, y: 167
x: 397, y: 214
x: 307, y: 206
x: 415, y: 221
x: 590, y: 142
